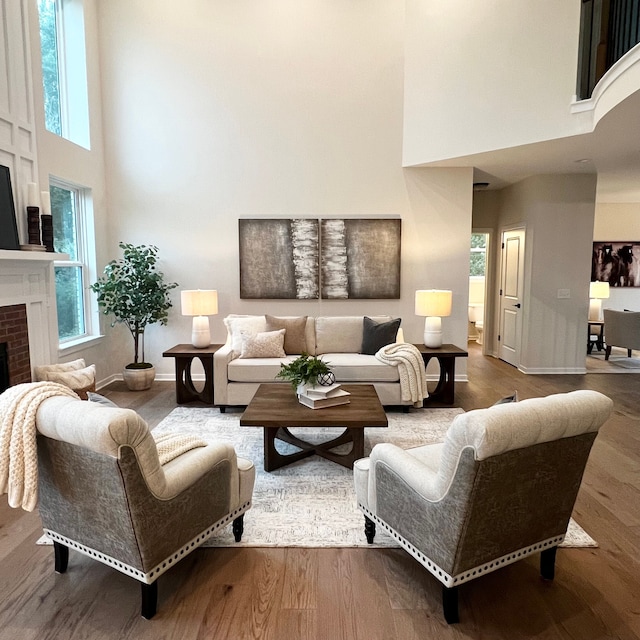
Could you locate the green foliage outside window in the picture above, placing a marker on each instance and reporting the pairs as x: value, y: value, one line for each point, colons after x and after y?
x: 50, y: 65
x: 478, y: 259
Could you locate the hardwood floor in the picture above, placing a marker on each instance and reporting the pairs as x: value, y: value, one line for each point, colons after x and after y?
x: 367, y: 594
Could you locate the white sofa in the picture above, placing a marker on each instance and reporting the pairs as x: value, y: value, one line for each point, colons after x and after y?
x: 338, y: 339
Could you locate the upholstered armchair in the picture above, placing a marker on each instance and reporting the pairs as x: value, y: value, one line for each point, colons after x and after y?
x: 104, y: 492
x: 499, y: 488
x: 621, y: 329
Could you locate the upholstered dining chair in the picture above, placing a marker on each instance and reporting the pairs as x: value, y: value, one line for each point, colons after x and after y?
x: 500, y: 487
x: 109, y: 491
x: 621, y: 329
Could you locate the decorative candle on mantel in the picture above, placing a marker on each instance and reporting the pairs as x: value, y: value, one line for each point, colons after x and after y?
x: 32, y: 195
x: 45, y: 199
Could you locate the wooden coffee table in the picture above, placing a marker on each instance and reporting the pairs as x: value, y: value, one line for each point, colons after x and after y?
x: 276, y: 409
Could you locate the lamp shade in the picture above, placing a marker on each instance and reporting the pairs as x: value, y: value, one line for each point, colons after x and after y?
x: 599, y: 290
x: 199, y: 302
x: 433, y: 302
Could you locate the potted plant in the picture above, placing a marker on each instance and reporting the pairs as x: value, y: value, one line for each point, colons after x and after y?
x: 135, y: 293
x: 304, y: 371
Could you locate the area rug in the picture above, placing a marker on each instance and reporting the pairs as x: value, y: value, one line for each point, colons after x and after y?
x: 618, y: 362
x: 312, y: 502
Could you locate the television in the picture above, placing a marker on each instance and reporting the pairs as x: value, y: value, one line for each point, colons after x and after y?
x: 8, y: 228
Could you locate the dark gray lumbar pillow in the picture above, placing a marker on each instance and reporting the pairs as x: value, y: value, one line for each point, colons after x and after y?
x: 376, y: 335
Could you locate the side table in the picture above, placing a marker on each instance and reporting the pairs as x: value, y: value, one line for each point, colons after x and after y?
x: 595, y: 336
x: 444, y: 393
x: 184, y: 355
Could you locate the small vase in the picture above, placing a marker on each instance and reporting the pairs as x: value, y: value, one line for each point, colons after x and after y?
x: 301, y: 389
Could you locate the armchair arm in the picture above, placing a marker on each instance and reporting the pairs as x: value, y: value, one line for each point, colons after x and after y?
x: 408, y: 467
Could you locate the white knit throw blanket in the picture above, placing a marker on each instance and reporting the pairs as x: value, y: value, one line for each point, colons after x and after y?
x: 18, y: 455
x: 413, y: 379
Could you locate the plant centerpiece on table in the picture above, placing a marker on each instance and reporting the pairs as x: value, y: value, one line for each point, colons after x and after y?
x: 305, y: 371
x: 136, y: 294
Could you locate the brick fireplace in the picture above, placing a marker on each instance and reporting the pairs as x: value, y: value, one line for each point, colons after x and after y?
x: 14, y: 337
x: 28, y: 323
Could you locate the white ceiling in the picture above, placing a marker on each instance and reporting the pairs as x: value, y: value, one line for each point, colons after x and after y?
x: 612, y: 151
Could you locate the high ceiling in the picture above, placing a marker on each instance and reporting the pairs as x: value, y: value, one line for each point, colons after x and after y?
x: 612, y: 151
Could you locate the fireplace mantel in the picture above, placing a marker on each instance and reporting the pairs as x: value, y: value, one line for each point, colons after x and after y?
x: 6, y: 254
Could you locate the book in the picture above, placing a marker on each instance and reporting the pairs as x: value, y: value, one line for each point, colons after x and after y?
x: 323, y: 391
x: 322, y: 403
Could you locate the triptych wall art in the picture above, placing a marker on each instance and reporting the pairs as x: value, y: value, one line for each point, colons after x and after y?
x: 308, y: 258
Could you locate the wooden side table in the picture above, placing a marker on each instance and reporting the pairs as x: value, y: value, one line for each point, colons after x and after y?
x: 184, y: 355
x: 446, y: 355
x: 595, y: 336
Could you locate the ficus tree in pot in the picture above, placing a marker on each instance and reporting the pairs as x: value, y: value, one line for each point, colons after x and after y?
x: 134, y: 291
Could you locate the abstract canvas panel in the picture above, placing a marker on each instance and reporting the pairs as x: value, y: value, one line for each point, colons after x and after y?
x: 279, y: 258
x: 360, y: 258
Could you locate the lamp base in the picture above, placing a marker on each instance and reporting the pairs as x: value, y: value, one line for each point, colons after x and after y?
x: 595, y: 310
x: 200, y: 335
x: 433, y: 332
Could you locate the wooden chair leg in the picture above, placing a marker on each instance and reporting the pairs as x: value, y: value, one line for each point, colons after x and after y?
x: 149, y: 599
x: 628, y: 353
x: 548, y: 563
x: 238, y: 528
x: 61, y: 555
x: 369, y: 529
x: 607, y: 352
x: 450, y: 604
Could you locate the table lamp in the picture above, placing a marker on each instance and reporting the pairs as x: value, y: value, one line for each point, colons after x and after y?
x: 434, y: 304
x: 598, y: 291
x: 199, y: 303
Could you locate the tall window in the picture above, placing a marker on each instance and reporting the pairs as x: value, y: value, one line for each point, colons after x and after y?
x: 70, y: 226
x: 64, y: 69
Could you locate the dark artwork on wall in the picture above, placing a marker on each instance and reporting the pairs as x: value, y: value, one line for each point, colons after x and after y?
x: 8, y: 228
x: 279, y: 259
x: 360, y: 258
x: 617, y: 263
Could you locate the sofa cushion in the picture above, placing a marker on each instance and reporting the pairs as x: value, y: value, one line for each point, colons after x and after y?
x: 295, y: 341
x: 341, y: 334
x: 358, y: 367
x: 256, y: 369
x: 237, y: 325
x: 266, y: 344
x: 376, y: 335
x: 79, y: 380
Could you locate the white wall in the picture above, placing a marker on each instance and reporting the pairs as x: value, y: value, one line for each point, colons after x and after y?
x: 215, y: 111
x: 558, y: 213
x: 487, y: 76
x: 619, y: 222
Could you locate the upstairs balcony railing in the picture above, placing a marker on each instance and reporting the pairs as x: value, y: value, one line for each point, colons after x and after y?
x: 608, y: 30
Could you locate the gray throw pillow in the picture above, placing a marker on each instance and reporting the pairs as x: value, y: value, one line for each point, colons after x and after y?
x: 98, y: 399
x: 507, y: 399
x: 376, y: 335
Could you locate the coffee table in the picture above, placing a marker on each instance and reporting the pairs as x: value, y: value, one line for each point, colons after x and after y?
x: 276, y: 409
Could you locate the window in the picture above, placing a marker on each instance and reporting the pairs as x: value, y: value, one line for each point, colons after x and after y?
x: 478, y: 261
x: 71, y: 224
x: 64, y: 69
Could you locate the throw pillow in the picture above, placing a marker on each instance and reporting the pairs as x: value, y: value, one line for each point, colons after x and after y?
x: 98, y: 399
x: 507, y: 399
x: 266, y: 344
x: 238, y: 325
x: 376, y: 335
x: 295, y: 341
x: 42, y: 370
x: 80, y: 380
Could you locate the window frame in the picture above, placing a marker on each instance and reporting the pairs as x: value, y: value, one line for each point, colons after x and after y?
x: 85, y: 260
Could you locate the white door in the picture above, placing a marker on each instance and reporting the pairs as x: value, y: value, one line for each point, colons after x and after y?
x: 511, y: 285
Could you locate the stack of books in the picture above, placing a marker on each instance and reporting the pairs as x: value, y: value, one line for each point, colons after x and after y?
x: 319, y: 396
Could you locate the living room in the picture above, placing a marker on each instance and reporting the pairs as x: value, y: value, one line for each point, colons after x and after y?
x: 202, y: 114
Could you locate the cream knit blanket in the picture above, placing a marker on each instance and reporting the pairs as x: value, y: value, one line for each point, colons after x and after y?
x: 18, y: 455
x: 413, y: 379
